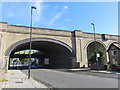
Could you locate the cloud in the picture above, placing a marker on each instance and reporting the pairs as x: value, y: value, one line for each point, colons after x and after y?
x: 38, y: 4
x: 10, y: 14
x: 19, y: 24
x: 58, y: 15
x: 56, y: 7
x: 66, y: 7
x: 67, y: 20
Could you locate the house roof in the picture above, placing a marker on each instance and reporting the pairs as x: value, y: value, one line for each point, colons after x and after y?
x: 114, y: 44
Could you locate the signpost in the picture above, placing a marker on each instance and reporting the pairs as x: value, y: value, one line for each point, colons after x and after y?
x: 97, y: 56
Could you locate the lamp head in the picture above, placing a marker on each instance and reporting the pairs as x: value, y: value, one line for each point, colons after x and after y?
x: 33, y: 7
x: 92, y: 23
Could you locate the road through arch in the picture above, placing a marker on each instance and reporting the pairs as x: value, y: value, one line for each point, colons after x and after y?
x: 59, y: 54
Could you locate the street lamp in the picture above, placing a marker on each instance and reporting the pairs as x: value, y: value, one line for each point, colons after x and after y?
x: 96, y: 57
x: 30, y: 43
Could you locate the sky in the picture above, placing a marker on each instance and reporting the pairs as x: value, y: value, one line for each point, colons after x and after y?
x: 68, y: 16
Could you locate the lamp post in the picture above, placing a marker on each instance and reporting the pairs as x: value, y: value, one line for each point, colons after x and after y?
x: 96, y: 58
x: 30, y: 42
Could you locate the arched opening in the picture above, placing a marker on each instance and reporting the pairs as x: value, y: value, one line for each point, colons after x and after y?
x: 92, y: 49
x: 50, y: 53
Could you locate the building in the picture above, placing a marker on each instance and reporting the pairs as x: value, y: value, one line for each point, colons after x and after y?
x: 114, y: 54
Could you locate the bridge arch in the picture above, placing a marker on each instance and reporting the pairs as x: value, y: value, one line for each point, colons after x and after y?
x: 85, y: 48
x: 59, y: 53
x: 10, y: 49
x: 90, y: 48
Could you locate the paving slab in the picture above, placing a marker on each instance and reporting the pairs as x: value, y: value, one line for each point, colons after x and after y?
x: 17, y: 79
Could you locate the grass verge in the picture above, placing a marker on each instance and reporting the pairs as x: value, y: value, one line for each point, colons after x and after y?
x: 3, y: 80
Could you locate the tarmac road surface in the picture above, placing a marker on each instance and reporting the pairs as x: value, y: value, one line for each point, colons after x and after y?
x: 59, y: 79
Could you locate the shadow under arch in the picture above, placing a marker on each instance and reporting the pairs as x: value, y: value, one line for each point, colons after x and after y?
x: 13, y: 46
x: 90, y: 48
x: 59, y: 53
x: 85, y: 48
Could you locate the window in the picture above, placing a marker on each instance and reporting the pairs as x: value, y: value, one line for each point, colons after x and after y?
x: 46, y: 61
x: 113, y: 61
x: 114, y: 53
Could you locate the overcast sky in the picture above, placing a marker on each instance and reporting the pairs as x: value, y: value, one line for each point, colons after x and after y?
x: 64, y: 15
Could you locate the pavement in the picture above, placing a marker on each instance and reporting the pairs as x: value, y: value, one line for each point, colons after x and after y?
x: 100, y: 71
x: 2, y: 73
x: 17, y: 79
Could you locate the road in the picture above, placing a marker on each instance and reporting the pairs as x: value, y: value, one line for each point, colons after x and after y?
x: 59, y: 79
x: 108, y: 75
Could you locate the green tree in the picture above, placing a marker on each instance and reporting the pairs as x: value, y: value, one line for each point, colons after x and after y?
x: 101, y: 59
x: 26, y: 60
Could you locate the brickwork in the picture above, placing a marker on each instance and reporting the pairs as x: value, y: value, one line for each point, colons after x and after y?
x: 78, y: 41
